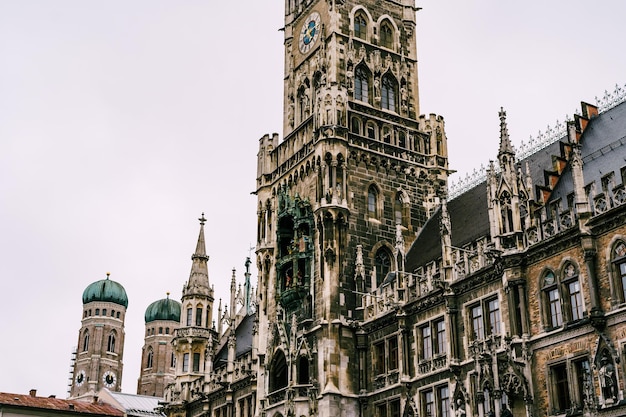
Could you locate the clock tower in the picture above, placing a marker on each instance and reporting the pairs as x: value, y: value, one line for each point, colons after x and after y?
x: 100, y: 349
x: 340, y: 198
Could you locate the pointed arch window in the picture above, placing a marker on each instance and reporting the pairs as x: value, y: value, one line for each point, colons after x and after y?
x: 360, y: 26
x: 372, y: 202
x: 149, y: 359
x: 562, y: 298
x: 388, y: 92
x: 278, y: 375
x: 111, y: 343
x: 86, y: 341
x: 619, y: 272
x: 199, y: 315
x: 506, y: 212
x: 398, y: 209
x: 189, y: 316
x: 382, y: 265
x: 362, y: 84
x: 386, y: 35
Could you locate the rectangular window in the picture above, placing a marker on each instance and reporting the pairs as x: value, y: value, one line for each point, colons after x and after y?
x: 485, y: 319
x: 582, y: 376
x: 199, y: 316
x: 561, y: 396
x: 494, y: 315
x: 381, y: 410
x: 394, y: 408
x: 477, y: 322
x: 556, y: 317
x: 189, y: 313
x: 393, y: 353
x: 622, y: 272
x: 442, y: 338
x: 428, y: 403
x: 443, y: 402
x: 427, y: 343
x: 186, y: 362
x: 576, y: 300
x: 196, y: 362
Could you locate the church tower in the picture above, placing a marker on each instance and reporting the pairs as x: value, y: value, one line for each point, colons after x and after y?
x: 340, y: 198
x: 194, y: 339
x: 158, y: 362
x: 100, y: 339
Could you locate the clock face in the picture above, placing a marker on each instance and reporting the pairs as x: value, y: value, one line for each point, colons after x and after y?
x: 80, y: 378
x: 109, y: 379
x: 310, y: 32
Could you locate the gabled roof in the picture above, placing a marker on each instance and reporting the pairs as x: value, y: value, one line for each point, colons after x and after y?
x: 243, y: 336
x: 133, y: 405
x: 57, y: 405
x: 603, y: 150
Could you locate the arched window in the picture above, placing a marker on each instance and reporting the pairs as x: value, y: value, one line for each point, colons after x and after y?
x: 189, y: 315
x: 355, y: 125
x: 619, y: 272
x: 111, y: 343
x: 572, y: 288
x: 398, y: 208
x: 370, y: 130
x: 388, y: 93
x: 401, y: 139
x: 199, y: 315
x: 382, y: 264
x: 562, y: 297
x: 506, y: 212
x: 86, y: 341
x: 553, y: 311
x: 361, y: 85
x: 360, y: 26
x: 372, y: 202
x: 387, y: 134
x: 278, y: 372
x: 149, y: 359
x: 386, y: 35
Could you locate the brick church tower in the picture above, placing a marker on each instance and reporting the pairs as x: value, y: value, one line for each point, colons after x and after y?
x: 340, y: 197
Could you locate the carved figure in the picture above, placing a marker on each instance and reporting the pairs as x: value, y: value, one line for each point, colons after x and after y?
x: 607, y: 379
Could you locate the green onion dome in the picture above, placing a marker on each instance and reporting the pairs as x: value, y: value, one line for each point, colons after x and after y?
x: 105, y: 290
x: 165, y: 309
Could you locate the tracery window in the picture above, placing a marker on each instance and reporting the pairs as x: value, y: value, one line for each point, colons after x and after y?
x: 619, y: 272
x: 562, y: 298
x: 360, y: 26
x: 86, y: 341
x: 362, y: 84
x: 382, y: 264
x: 149, y: 359
x: 388, y: 93
x: 386, y: 35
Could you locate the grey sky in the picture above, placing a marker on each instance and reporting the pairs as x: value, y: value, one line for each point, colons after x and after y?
x: 122, y: 121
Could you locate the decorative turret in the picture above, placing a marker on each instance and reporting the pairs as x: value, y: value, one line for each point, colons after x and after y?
x: 193, y: 341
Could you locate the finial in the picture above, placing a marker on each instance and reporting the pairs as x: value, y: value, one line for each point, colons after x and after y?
x: 202, y: 219
x: 168, y: 295
x: 108, y: 273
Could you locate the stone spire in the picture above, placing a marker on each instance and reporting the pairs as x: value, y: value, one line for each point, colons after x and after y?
x: 198, y: 283
x: 505, y: 141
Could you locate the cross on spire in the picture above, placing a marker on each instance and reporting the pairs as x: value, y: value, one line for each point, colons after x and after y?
x: 202, y: 219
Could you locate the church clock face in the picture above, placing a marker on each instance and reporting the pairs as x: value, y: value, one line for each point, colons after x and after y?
x: 310, y: 32
x: 80, y: 378
x: 109, y: 379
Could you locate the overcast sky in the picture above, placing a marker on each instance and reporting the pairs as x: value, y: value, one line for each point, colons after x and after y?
x: 122, y: 121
